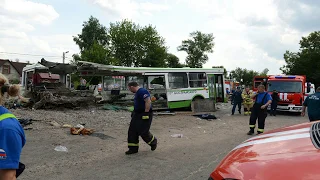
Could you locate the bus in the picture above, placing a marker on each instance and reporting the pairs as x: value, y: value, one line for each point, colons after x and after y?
x: 170, y: 88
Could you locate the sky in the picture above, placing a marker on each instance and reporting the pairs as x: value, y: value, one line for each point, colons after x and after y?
x: 248, y: 33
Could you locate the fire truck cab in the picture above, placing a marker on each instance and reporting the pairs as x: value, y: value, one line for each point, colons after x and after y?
x: 291, y: 90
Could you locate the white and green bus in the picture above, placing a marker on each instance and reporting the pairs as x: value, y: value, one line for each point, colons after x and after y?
x: 169, y: 87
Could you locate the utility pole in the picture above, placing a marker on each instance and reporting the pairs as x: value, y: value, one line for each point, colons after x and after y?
x: 64, y: 56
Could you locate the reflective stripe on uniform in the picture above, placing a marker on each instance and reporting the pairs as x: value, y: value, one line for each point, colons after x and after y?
x: 133, y: 144
x: 252, y: 126
x: 151, y: 140
x: 7, y: 115
x: 260, y: 130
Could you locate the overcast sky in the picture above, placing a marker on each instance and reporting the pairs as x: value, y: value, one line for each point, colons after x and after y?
x: 249, y: 34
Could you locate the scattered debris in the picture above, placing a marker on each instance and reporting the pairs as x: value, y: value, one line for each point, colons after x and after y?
x: 66, y: 126
x: 177, y: 135
x: 102, y: 136
x: 116, y: 108
x: 208, y: 117
x: 55, y: 124
x: 25, y: 122
x: 80, y: 129
x: 164, y: 113
x: 50, y: 100
x: 61, y: 149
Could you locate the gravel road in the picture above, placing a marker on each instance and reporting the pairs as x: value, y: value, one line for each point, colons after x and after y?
x: 101, y: 155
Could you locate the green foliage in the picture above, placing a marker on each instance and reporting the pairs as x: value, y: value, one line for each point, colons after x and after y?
x: 264, y: 72
x: 225, y: 73
x: 132, y: 45
x: 172, y: 61
x: 243, y: 74
x: 96, y: 53
x: 93, y: 43
x: 196, y: 48
x: 306, y: 60
x: 92, y: 33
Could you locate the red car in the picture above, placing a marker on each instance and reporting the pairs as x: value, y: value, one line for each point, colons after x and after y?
x: 287, y: 153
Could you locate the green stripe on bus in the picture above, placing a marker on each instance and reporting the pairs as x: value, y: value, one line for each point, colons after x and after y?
x: 179, y: 104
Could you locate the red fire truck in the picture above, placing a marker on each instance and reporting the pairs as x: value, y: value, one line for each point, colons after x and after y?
x: 291, y: 89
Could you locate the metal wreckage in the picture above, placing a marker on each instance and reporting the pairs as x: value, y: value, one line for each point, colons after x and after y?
x: 48, y: 85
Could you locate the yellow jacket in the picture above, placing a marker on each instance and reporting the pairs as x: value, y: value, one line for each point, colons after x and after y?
x: 247, y: 97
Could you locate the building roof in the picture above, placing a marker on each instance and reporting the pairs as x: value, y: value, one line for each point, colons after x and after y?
x: 18, y: 66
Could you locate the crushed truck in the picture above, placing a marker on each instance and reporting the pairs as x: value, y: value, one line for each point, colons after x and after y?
x: 292, y: 90
x: 48, y: 85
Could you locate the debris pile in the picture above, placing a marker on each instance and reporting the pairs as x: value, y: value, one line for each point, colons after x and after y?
x: 50, y: 100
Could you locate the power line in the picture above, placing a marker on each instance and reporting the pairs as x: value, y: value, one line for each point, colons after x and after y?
x: 28, y: 54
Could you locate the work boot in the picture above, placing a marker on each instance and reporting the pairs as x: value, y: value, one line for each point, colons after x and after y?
x: 154, y: 146
x: 259, y: 132
x: 130, y: 151
x: 250, y: 132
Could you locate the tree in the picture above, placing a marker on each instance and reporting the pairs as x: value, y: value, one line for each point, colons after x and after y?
x: 225, y: 73
x: 132, y: 45
x: 93, y: 42
x: 172, y: 61
x: 264, y: 72
x: 196, y: 48
x: 92, y: 32
x: 306, y: 60
x: 245, y: 75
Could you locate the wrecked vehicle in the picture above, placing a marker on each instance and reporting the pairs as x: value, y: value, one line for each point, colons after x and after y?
x: 49, y: 85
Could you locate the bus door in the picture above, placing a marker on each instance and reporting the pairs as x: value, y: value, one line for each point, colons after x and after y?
x: 212, y: 87
x: 155, y: 83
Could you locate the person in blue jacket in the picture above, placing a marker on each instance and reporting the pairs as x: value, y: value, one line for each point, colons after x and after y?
x: 237, y: 100
x: 259, y: 110
x: 12, y: 138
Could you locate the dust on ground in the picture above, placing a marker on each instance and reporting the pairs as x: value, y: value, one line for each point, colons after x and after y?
x: 101, y: 155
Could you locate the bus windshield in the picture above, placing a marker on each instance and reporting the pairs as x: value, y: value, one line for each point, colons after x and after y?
x: 285, y: 86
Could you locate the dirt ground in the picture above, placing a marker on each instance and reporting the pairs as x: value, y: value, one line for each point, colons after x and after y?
x: 101, y: 155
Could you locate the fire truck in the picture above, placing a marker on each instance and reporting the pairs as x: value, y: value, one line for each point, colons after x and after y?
x: 291, y: 89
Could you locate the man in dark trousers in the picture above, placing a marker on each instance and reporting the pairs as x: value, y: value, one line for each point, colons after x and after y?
x: 274, y: 104
x: 141, y: 120
x: 259, y: 110
x: 237, y: 100
x: 313, y: 104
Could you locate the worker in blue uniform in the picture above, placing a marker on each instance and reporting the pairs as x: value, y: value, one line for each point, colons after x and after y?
x: 259, y: 110
x: 12, y: 139
x: 141, y: 119
x: 313, y: 104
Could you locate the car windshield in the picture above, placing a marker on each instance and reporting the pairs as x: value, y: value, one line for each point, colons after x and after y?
x: 285, y: 86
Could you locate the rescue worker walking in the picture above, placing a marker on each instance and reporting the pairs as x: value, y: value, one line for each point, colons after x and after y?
x: 259, y: 110
x: 274, y: 104
x: 141, y: 119
x: 313, y: 104
x: 247, y: 101
x: 237, y: 100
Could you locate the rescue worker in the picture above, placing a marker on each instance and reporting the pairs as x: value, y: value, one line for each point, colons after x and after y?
x: 259, y: 110
x: 313, y: 104
x: 141, y: 120
x: 12, y: 137
x: 247, y: 101
x: 274, y: 104
x: 237, y: 100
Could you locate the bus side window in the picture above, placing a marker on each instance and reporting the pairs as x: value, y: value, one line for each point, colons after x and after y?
x: 178, y: 80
